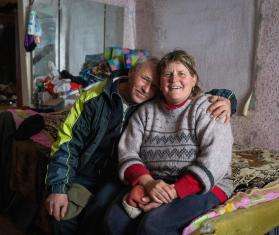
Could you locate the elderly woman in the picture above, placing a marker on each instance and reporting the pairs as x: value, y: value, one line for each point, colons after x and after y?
x: 174, y: 154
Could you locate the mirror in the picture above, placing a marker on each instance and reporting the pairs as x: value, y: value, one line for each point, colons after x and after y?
x: 87, y: 28
x: 73, y: 29
x: 46, y: 50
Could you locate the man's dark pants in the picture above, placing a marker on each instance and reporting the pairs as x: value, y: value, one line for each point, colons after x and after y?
x: 90, y: 220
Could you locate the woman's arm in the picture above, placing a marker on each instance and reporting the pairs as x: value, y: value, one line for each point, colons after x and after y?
x: 215, y: 146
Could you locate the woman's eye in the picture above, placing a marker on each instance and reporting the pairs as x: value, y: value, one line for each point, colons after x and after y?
x: 168, y: 75
x: 182, y: 74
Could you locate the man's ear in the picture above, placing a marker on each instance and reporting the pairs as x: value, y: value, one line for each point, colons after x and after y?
x: 131, y: 72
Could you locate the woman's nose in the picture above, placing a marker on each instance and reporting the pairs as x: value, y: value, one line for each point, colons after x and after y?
x: 173, y: 77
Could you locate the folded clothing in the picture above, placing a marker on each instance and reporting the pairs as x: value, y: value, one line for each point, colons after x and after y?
x: 29, y: 127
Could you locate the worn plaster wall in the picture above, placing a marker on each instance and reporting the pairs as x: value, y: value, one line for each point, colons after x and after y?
x: 261, y: 127
x: 160, y: 31
x: 219, y: 34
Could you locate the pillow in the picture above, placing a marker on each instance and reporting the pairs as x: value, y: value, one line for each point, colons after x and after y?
x: 122, y: 59
x: 135, y: 55
x: 114, y: 64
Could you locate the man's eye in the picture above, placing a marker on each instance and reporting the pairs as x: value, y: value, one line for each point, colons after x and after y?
x: 145, y: 79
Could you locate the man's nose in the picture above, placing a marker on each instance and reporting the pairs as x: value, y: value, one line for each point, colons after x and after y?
x: 146, y: 88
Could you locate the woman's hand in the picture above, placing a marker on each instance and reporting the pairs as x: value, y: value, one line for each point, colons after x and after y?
x: 159, y: 191
x: 220, y: 108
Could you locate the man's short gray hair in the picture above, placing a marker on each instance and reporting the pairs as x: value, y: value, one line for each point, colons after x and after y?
x: 152, y: 60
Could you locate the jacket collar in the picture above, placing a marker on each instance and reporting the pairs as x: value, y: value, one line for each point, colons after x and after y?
x: 112, y: 85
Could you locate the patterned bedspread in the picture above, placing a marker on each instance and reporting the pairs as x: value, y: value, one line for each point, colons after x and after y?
x: 254, y: 167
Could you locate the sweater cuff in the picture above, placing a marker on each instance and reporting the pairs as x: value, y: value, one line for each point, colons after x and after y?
x: 187, y: 185
x: 220, y: 194
x: 133, y: 172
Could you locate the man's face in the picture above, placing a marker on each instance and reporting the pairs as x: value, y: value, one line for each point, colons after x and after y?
x: 144, y: 83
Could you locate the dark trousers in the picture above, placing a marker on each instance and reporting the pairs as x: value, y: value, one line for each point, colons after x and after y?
x: 90, y: 220
x: 167, y: 219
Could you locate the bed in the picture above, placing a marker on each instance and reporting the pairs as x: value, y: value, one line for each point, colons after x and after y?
x: 253, y: 209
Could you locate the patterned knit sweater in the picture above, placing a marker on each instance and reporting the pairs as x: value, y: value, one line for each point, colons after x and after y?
x: 172, y: 142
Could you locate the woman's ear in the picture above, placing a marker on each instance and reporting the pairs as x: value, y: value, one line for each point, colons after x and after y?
x: 194, y: 80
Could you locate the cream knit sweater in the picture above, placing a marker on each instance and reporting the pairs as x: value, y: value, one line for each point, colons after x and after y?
x: 172, y: 142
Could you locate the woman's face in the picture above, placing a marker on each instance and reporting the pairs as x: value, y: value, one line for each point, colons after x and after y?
x: 176, y: 83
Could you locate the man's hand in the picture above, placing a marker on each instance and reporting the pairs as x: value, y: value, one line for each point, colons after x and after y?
x: 136, y: 196
x: 220, y: 108
x: 57, y: 205
x: 149, y: 206
x: 159, y: 191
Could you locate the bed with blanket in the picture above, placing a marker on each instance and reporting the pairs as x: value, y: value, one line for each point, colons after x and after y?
x: 253, y: 209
